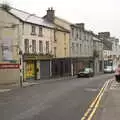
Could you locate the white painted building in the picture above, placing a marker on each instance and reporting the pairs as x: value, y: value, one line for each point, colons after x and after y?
x: 98, y: 54
x: 30, y: 34
x: 115, y: 54
x: 81, y: 41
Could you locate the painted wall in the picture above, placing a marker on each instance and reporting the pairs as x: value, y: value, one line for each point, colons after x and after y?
x: 48, y: 35
x: 62, y: 42
x: 63, y: 39
x: 10, y: 34
x: 63, y: 23
x: 8, y: 76
x: 81, y: 43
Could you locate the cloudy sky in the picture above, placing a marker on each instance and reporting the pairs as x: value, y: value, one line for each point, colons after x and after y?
x: 98, y: 15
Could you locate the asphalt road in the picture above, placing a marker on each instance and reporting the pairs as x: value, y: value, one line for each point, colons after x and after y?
x: 59, y: 100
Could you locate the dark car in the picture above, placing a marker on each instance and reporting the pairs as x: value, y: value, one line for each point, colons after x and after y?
x: 86, y: 72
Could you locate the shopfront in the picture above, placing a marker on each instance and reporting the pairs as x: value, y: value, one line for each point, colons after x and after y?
x: 36, y: 66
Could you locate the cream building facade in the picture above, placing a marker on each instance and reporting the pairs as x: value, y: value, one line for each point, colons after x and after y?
x: 22, y: 31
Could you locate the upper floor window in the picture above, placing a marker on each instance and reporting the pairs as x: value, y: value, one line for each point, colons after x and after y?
x: 65, y: 51
x: 84, y: 36
x: 34, y: 46
x: 26, y: 45
x: 47, y: 46
x: 77, y: 35
x: 72, y: 32
x: 33, y: 32
x: 80, y: 48
x: 77, y: 48
x: 40, y: 46
x: 40, y: 31
x: 55, y: 51
x: 55, y: 38
x: 73, y: 48
x: 64, y: 38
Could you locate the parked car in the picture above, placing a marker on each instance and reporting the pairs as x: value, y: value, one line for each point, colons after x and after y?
x: 86, y: 72
x: 108, y: 69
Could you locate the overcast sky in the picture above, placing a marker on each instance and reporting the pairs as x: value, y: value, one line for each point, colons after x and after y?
x: 98, y: 15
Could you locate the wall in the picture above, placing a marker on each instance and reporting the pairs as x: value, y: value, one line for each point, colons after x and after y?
x: 62, y: 41
x: 9, y: 33
x: 48, y: 35
x: 63, y: 38
x: 62, y: 23
x: 8, y: 76
x: 84, y: 38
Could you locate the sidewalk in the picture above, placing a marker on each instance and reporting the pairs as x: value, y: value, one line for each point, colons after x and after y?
x: 109, y: 108
x: 5, y: 88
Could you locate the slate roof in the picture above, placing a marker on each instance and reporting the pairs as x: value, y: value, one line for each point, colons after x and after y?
x: 30, y: 18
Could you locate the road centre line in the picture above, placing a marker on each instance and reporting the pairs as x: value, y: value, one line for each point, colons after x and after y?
x: 98, y: 102
x: 95, y: 101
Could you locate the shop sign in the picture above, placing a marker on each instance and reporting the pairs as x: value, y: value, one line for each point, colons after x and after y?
x: 9, y: 66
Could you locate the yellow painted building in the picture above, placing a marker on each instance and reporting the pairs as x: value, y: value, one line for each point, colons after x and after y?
x: 62, y: 35
x: 61, y: 43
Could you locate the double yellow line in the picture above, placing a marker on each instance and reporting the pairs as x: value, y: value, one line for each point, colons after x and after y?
x: 94, y: 105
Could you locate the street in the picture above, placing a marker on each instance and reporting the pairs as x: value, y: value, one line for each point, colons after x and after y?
x: 58, y: 100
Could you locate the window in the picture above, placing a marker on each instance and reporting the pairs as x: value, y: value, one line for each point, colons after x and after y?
x: 80, y: 48
x: 80, y: 35
x: 40, y: 31
x: 72, y: 32
x: 55, y: 38
x: 77, y: 35
x: 55, y: 51
x: 47, y: 46
x: 64, y: 38
x: 26, y: 45
x: 65, y: 51
x: 73, y: 48
x: 40, y: 46
x: 33, y: 46
x: 77, y: 48
x: 33, y: 30
x: 84, y: 36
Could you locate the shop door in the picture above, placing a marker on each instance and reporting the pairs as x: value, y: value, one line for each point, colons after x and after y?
x: 44, y: 69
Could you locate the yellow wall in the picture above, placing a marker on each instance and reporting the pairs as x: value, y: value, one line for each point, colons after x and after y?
x: 62, y: 39
x: 62, y: 23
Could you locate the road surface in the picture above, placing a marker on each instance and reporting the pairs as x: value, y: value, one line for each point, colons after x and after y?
x: 58, y: 100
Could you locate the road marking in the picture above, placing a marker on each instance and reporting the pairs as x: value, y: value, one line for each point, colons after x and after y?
x: 91, y: 89
x: 4, y: 90
x: 93, y: 106
x: 98, y: 102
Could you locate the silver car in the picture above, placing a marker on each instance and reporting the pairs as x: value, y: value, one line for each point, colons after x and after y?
x: 108, y: 69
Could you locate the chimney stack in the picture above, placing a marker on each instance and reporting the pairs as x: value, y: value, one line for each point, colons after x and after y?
x: 81, y: 25
x: 104, y: 35
x: 50, y: 14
